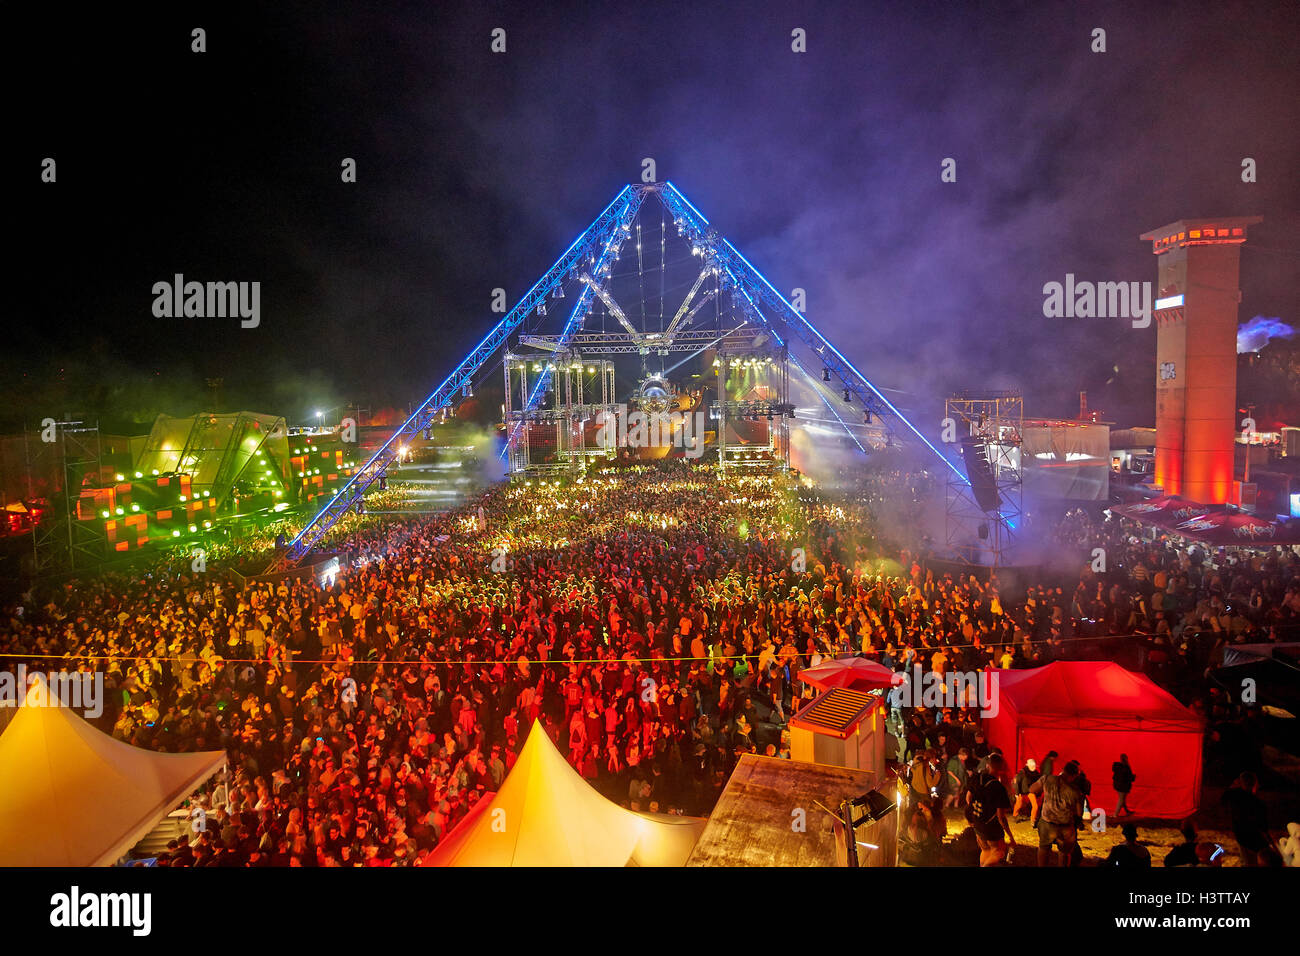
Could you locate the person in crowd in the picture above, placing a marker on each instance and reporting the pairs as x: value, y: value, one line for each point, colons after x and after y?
x: 1130, y: 853
x: 1049, y: 763
x: 925, y: 777
x: 1249, y: 819
x: 988, y: 805
x: 1122, y: 777
x: 1185, y: 854
x: 1024, y: 780
x: 955, y: 787
x: 1062, y: 808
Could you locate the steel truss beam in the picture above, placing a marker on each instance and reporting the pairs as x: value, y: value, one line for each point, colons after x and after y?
x: 610, y: 236
x: 620, y: 343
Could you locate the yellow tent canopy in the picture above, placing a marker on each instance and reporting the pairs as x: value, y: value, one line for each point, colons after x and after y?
x: 545, y: 814
x: 71, y: 795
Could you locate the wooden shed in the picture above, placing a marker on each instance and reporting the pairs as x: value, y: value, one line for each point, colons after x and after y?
x: 843, y: 728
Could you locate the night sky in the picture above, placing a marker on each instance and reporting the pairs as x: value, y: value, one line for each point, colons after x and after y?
x: 475, y: 170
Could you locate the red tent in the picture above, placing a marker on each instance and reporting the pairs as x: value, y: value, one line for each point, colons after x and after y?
x: 1231, y: 528
x: 1093, y: 711
x: 855, y: 673
x: 1165, y: 511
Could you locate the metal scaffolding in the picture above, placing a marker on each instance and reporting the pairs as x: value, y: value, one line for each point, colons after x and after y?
x: 580, y: 390
x: 994, y: 423
x: 761, y: 379
x: 64, y: 453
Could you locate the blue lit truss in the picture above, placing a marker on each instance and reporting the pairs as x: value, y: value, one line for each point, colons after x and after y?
x: 756, y: 289
x: 592, y: 242
x: 620, y: 226
x: 599, y: 243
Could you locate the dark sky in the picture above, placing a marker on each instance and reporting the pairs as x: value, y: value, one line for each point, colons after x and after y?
x: 477, y: 169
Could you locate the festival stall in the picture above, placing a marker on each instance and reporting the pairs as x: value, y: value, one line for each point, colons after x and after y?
x: 1163, y: 512
x: 1093, y: 711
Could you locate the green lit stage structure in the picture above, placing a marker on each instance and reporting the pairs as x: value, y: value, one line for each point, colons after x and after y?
x: 196, y: 473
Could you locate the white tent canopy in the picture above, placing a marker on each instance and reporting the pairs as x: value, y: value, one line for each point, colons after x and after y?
x: 546, y: 814
x: 71, y: 795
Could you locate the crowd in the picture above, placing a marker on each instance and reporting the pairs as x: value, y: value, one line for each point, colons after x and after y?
x: 653, y: 619
x: 1179, y: 607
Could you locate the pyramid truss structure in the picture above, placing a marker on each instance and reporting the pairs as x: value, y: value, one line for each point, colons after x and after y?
x: 593, y: 253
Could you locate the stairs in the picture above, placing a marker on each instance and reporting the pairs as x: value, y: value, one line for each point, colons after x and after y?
x: 171, y: 827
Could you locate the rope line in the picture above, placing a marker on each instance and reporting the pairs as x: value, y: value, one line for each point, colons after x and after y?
x: 566, y: 662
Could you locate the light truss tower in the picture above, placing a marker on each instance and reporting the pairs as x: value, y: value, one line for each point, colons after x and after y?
x: 584, y: 390
x: 66, y: 542
x: 759, y: 380
x: 592, y: 254
x: 991, y: 425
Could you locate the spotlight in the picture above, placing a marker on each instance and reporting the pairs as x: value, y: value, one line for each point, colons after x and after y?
x: 876, y: 804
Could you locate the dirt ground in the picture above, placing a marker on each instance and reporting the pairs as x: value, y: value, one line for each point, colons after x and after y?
x: 1158, y: 836
x: 1280, y: 790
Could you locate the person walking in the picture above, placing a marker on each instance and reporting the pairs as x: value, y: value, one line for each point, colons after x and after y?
x: 1122, y: 777
x: 1025, y: 779
x: 987, y: 804
x: 1061, y: 809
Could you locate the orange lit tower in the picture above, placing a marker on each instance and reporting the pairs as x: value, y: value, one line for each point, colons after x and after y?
x: 1196, y: 355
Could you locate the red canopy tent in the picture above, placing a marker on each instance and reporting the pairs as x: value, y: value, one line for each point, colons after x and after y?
x: 1165, y: 511
x: 854, y: 673
x: 1212, y: 525
x: 1234, y: 528
x: 1093, y: 711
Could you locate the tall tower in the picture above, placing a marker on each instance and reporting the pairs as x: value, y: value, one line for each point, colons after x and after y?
x: 1196, y: 355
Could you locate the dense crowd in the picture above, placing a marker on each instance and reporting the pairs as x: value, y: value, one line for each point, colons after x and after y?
x: 1170, y: 606
x: 653, y: 620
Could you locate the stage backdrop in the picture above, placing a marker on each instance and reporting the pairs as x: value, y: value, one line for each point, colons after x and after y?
x: 1063, y: 460
x: 1093, y: 711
